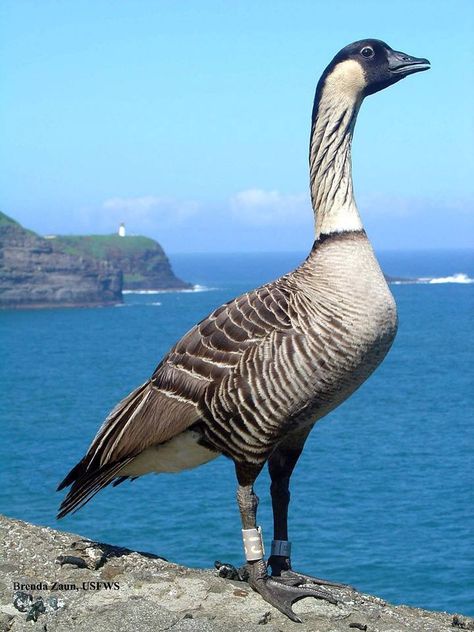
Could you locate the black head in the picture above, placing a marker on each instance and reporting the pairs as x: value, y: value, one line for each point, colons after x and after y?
x: 382, y: 66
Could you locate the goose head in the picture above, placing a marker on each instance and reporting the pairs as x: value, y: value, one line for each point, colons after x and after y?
x: 367, y: 66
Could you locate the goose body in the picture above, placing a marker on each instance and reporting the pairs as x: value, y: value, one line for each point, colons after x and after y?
x: 251, y: 379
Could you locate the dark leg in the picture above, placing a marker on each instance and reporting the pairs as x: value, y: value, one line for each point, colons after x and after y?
x: 281, y: 592
x: 281, y: 465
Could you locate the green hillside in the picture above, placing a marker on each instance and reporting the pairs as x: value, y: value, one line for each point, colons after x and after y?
x: 4, y: 219
x: 104, y: 246
x: 7, y: 223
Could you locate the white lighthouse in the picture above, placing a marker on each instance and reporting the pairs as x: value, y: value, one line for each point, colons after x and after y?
x: 121, y: 230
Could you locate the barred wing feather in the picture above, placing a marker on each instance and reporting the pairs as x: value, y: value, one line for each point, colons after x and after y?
x: 174, y: 398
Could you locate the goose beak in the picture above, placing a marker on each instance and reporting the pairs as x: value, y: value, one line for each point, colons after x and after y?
x: 401, y: 64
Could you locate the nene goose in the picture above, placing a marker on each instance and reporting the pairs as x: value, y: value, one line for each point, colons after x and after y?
x: 251, y: 380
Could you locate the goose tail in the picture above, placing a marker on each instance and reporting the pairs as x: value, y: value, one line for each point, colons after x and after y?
x: 92, y: 474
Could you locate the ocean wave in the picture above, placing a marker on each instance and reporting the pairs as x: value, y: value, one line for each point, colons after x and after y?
x: 155, y: 304
x: 199, y: 288
x: 459, y: 277
x: 195, y: 288
x: 144, y: 291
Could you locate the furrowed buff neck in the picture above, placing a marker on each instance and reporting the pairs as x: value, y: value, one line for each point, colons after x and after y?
x: 338, y: 98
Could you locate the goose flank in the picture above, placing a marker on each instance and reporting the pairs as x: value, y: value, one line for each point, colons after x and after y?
x: 252, y: 379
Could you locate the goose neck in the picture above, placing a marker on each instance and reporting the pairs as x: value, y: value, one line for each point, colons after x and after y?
x: 332, y: 195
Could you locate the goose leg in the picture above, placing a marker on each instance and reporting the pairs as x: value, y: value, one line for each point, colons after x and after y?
x: 281, y: 465
x: 280, y: 592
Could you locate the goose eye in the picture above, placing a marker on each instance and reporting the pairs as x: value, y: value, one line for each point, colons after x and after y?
x: 367, y: 52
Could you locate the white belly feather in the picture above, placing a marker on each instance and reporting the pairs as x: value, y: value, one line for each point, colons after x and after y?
x: 183, y: 452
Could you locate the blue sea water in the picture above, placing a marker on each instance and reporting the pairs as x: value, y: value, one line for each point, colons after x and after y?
x: 383, y: 495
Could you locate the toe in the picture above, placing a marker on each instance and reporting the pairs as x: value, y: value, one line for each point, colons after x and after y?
x: 301, y: 578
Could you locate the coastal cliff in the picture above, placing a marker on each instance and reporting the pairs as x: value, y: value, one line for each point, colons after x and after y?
x: 142, y: 260
x: 77, y: 271
x: 52, y: 581
x: 34, y: 274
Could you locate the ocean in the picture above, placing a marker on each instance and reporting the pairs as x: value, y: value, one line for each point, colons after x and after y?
x: 383, y: 495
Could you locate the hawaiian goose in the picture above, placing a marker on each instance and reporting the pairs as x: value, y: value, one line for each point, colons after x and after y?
x: 251, y: 380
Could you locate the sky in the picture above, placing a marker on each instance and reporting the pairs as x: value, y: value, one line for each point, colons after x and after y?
x: 189, y: 120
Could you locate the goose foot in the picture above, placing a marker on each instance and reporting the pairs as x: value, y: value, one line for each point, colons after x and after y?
x: 281, y: 567
x: 301, y: 578
x: 282, y: 592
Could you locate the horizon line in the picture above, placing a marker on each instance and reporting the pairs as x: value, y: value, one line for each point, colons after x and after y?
x: 299, y: 252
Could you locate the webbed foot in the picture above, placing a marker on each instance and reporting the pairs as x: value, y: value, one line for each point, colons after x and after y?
x: 301, y: 578
x: 281, y: 567
x: 282, y: 592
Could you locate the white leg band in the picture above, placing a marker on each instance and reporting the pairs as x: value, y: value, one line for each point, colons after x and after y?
x: 253, y: 544
x: 281, y: 548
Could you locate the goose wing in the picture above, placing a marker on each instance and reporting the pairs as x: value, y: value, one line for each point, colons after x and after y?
x: 173, y: 398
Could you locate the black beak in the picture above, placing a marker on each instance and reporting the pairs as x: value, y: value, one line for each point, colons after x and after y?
x: 402, y: 64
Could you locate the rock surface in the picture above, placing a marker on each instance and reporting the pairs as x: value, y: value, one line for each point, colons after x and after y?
x: 101, y: 588
x: 34, y: 274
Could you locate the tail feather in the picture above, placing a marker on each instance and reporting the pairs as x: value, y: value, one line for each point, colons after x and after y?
x: 147, y: 416
x: 87, y: 486
x: 76, y: 473
x: 89, y: 472
x: 114, y: 423
x: 120, y: 480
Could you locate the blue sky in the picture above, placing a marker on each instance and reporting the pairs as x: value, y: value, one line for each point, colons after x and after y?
x: 190, y: 120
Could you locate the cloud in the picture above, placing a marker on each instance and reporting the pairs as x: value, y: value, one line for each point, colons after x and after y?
x: 147, y: 215
x: 260, y: 207
x: 150, y: 208
x: 254, y: 207
x: 134, y: 205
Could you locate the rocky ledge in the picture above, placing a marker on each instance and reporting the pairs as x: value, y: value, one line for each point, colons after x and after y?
x: 51, y: 581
